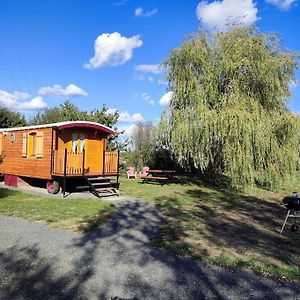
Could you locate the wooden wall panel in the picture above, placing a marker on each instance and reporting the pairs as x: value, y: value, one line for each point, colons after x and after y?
x: 94, y: 146
x: 13, y: 162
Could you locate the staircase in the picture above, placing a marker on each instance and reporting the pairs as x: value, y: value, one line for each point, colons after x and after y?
x: 99, y: 186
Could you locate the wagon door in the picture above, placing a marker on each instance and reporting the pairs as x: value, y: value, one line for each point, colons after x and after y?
x: 93, y: 154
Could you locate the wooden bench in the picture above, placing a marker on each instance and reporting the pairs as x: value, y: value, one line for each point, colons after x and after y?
x: 154, y: 178
x: 161, y: 179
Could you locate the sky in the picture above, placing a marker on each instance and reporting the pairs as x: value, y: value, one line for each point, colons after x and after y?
x: 109, y: 52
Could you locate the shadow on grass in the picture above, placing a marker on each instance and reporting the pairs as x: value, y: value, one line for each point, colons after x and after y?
x: 6, y: 192
x: 116, y: 261
x: 89, y: 223
x: 226, y: 220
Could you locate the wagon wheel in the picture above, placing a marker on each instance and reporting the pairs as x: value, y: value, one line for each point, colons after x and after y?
x: 53, y: 187
x: 294, y: 227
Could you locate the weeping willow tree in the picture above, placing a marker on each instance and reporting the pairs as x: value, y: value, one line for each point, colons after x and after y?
x: 228, y: 116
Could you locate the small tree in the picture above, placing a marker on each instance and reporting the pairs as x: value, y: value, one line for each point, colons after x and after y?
x: 9, y: 118
x: 144, y: 140
x: 228, y: 114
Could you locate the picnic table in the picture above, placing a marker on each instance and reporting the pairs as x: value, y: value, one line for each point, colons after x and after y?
x: 160, y: 176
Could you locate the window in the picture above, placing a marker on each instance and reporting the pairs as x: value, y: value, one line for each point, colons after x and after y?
x: 74, y: 142
x: 33, y: 144
x: 12, y: 138
x: 82, y: 143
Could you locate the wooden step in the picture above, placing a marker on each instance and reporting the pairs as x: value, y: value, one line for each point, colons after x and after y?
x: 100, y: 187
x: 99, y: 179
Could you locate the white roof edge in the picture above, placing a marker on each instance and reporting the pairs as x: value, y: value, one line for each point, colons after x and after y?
x: 53, y: 125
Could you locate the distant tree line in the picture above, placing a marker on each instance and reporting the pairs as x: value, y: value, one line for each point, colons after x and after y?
x: 64, y: 112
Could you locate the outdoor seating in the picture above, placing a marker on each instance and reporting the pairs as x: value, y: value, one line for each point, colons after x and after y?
x: 160, y: 176
x: 131, y: 173
x: 145, y: 171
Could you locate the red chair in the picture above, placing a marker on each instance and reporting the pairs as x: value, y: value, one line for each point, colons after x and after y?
x: 145, y: 171
x: 131, y: 173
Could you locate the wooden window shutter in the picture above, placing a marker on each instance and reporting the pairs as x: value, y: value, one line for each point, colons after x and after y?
x: 24, y: 145
x: 1, y: 141
x: 39, y: 144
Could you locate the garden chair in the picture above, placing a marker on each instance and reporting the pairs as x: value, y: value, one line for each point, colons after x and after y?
x: 145, y: 171
x: 131, y: 173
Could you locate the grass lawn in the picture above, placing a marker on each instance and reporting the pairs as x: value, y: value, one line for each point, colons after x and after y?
x: 75, y: 214
x: 223, y: 227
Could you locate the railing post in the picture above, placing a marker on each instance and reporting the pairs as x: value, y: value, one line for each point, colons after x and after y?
x: 65, y: 172
x: 103, y: 169
x: 83, y: 161
x: 118, y: 168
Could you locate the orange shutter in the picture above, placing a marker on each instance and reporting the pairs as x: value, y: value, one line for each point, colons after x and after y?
x: 1, y: 145
x: 39, y: 144
x: 24, y: 145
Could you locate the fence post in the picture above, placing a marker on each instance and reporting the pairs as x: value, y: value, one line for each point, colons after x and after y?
x: 118, y: 168
x: 83, y: 160
x: 103, y: 169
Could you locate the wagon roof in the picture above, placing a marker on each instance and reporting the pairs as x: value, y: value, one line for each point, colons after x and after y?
x: 64, y: 125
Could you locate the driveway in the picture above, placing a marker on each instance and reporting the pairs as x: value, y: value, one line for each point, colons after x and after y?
x: 37, y: 262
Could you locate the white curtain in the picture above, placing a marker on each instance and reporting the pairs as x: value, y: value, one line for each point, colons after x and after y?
x: 74, y: 142
x: 82, y: 142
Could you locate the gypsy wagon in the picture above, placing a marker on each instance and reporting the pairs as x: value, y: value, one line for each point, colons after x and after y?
x: 60, y: 153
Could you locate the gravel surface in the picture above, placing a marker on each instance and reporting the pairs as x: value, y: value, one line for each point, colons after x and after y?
x: 37, y: 262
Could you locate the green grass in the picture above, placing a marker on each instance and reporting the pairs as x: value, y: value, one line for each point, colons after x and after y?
x: 75, y: 214
x: 224, y: 227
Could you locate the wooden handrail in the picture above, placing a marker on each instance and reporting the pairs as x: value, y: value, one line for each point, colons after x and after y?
x: 68, y: 163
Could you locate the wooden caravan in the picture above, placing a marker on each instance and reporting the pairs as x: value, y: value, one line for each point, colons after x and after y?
x: 58, y: 152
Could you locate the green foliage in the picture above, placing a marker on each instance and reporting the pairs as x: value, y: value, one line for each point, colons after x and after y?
x: 228, y: 115
x: 69, y: 112
x: 148, y: 149
x: 9, y: 118
x: 144, y: 140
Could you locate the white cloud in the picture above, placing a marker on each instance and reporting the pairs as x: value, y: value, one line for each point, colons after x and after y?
x: 218, y: 14
x: 9, y: 99
x: 70, y: 91
x: 139, y: 12
x: 111, y: 110
x: 33, y: 104
x: 294, y: 84
x: 155, y: 69
x: 129, y: 131
x: 121, y: 3
x: 112, y: 49
x: 166, y: 98
x: 125, y: 117
x: 148, y: 99
x: 142, y: 77
x: 162, y: 82
x: 282, y: 4
x: 16, y: 101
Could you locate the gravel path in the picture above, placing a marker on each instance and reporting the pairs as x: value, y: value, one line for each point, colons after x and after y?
x: 37, y: 262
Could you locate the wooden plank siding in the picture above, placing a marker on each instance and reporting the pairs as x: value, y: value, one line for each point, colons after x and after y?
x: 94, y: 148
x: 111, y: 162
x: 29, y: 155
x: 13, y: 161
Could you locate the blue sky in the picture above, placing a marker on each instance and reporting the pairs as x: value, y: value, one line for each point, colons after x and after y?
x: 96, y: 52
